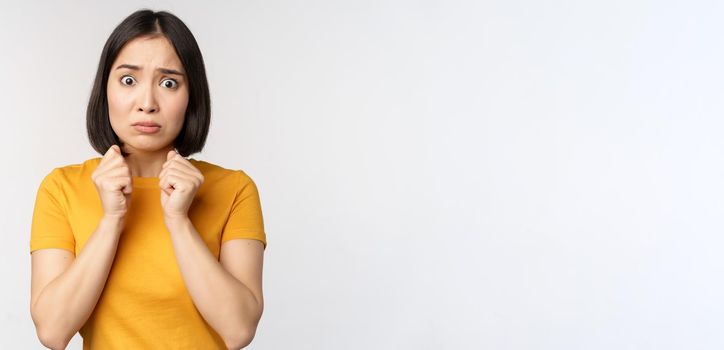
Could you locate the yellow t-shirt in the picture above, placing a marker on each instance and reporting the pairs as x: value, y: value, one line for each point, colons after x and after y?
x: 145, y: 304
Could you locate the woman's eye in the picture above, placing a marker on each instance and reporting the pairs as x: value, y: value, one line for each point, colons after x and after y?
x: 127, y: 80
x: 169, y: 83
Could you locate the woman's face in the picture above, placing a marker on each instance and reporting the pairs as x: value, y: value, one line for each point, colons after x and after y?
x: 147, y: 83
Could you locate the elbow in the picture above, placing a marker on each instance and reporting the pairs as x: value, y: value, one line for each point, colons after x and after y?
x: 240, y: 339
x: 51, y: 340
x: 243, y: 335
x: 49, y: 337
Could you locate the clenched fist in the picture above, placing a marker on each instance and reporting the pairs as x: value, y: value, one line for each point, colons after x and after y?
x: 179, y: 181
x: 113, y: 182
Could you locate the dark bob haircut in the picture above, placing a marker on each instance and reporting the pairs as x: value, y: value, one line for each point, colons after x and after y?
x: 192, y: 137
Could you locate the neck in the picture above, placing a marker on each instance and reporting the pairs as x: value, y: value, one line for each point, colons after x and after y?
x: 146, y: 163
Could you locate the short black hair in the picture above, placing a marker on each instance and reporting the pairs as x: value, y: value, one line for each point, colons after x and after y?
x: 192, y: 137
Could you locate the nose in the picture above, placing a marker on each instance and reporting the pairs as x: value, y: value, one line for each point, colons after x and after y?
x: 148, y: 102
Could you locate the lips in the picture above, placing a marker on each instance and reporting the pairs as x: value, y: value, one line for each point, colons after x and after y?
x: 146, y: 123
x: 147, y: 127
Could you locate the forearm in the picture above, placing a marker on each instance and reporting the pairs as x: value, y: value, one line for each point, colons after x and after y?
x: 224, y: 302
x: 65, y: 304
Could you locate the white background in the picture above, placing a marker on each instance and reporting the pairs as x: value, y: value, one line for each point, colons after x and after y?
x: 433, y: 174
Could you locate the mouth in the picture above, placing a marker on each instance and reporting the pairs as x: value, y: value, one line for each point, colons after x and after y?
x: 147, y: 123
x: 146, y: 129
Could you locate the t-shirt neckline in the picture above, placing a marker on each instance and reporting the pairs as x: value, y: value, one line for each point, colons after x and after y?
x: 145, y: 182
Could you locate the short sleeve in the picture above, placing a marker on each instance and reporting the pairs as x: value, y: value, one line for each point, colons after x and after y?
x: 50, y: 227
x: 245, y: 217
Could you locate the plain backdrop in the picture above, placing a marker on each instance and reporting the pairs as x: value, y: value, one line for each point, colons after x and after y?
x: 510, y: 174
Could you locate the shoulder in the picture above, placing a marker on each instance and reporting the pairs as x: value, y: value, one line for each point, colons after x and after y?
x: 71, y: 173
x: 217, y: 174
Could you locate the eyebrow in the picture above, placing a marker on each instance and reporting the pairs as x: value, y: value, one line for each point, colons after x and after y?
x: 162, y: 70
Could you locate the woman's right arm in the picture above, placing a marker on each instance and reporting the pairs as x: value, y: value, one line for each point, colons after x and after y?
x: 65, y: 289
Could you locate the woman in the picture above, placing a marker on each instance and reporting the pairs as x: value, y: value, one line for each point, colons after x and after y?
x: 143, y: 248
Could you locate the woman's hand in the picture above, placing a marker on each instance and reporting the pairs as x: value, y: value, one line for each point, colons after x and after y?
x: 113, y: 182
x: 179, y: 181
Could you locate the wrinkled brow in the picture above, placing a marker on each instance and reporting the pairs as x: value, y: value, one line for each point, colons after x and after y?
x: 162, y: 70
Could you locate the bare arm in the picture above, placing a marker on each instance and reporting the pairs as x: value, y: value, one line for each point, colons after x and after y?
x: 231, y: 306
x: 65, y: 290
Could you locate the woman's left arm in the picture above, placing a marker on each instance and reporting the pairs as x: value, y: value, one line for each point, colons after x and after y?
x: 228, y: 292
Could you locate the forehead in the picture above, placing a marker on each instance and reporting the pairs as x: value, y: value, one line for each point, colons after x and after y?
x: 149, y: 52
